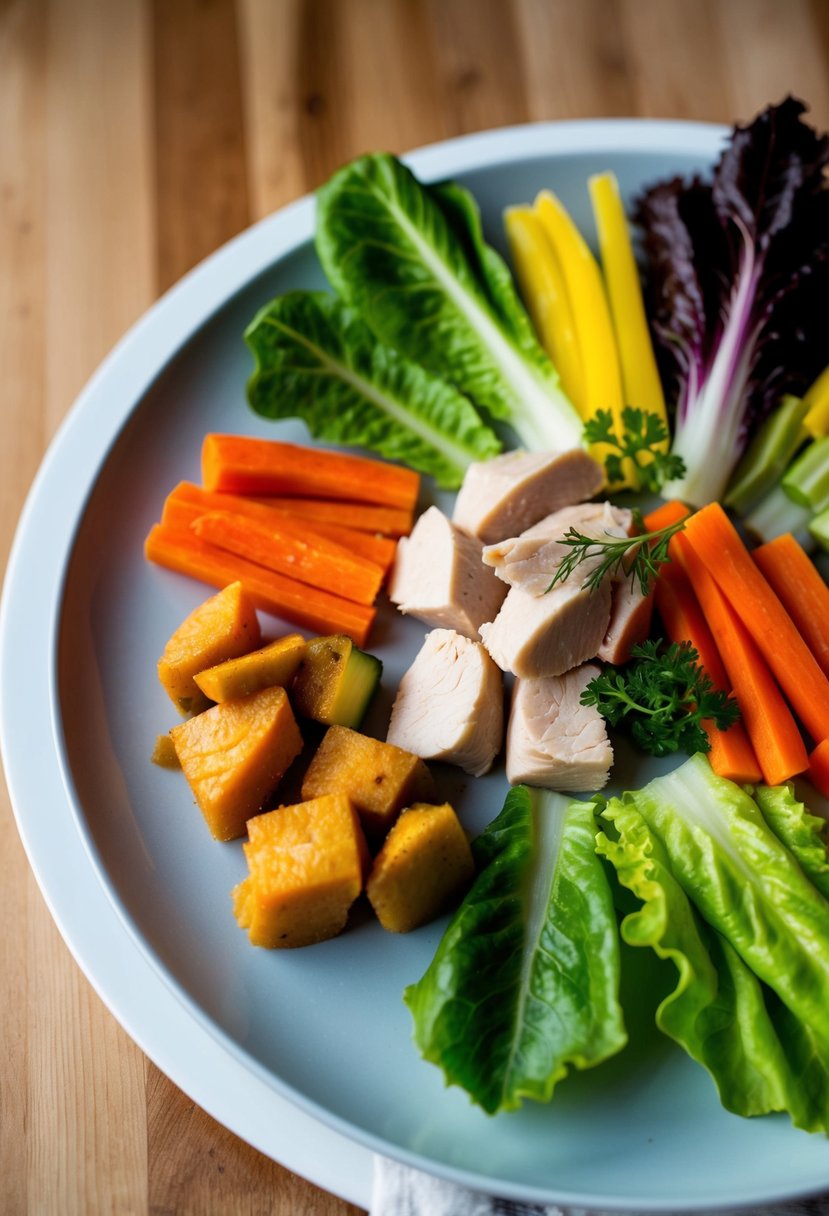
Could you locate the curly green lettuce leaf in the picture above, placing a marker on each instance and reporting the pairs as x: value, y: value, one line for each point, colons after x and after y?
x: 318, y: 361
x: 525, y: 980
x: 413, y: 262
x: 745, y: 883
x: 760, y: 1057
x: 803, y: 833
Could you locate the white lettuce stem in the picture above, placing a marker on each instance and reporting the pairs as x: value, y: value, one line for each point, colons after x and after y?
x: 708, y: 435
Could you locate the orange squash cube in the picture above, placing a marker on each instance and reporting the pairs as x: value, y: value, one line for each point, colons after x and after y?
x: 274, y: 664
x: 164, y: 753
x: 379, y: 778
x: 224, y: 626
x: 307, y: 864
x: 424, y: 864
x: 234, y: 756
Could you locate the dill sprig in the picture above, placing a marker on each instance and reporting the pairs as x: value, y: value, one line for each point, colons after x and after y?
x: 663, y: 698
x: 638, y: 556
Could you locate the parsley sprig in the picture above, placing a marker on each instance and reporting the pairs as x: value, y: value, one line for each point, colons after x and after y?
x: 638, y: 557
x: 662, y: 698
x: 642, y: 441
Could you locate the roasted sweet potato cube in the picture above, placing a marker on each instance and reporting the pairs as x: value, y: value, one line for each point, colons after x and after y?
x: 425, y: 863
x: 164, y: 753
x: 234, y: 756
x: 307, y: 864
x: 379, y: 778
x: 223, y: 627
x: 271, y: 665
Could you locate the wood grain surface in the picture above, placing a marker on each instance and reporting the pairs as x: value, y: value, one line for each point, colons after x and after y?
x: 135, y: 137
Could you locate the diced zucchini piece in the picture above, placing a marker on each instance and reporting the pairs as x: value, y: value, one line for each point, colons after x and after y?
x: 768, y: 454
x: 335, y: 681
x: 777, y: 514
x: 819, y: 528
x: 807, y: 481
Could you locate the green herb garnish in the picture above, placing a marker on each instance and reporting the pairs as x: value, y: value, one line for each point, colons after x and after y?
x: 641, y: 442
x: 662, y: 697
x: 639, y: 557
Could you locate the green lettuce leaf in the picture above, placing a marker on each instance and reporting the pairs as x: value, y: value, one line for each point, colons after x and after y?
x: 761, y: 1058
x: 744, y: 883
x: 318, y: 361
x: 803, y: 833
x: 525, y: 980
x: 413, y: 262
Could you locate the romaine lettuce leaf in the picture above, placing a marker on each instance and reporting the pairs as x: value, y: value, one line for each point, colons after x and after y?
x: 316, y: 360
x: 758, y: 1054
x: 413, y: 262
x: 744, y: 883
x: 525, y: 980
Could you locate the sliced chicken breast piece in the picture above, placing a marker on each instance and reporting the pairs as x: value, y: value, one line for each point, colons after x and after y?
x: 439, y: 577
x: 504, y: 496
x: 630, y: 621
x: 552, y: 739
x: 450, y: 704
x: 531, y: 560
x: 535, y: 636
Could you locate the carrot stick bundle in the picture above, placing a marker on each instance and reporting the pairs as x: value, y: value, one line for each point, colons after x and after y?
x: 796, y: 581
x: 315, y: 561
x: 665, y: 515
x: 362, y: 517
x: 187, y: 501
x: 724, y: 557
x: 732, y: 754
x: 777, y: 743
x: 243, y: 465
x: 319, y: 611
x: 818, y: 772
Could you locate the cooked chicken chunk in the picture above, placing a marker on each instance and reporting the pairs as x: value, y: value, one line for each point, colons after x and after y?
x: 630, y: 621
x: 504, y: 496
x: 439, y: 578
x: 530, y: 560
x: 450, y: 704
x: 545, y: 635
x: 552, y: 739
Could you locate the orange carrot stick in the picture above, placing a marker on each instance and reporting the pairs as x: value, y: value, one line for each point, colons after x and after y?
x: 378, y: 549
x: 714, y: 539
x: 731, y: 753
x: 315, y: 561
x: 388, y: 521
x: 244, y: 465
x: 777, y: 743
x: 795, y: 579
x: 818, y: 772
x: 181, y: 550
x: 663, y: 516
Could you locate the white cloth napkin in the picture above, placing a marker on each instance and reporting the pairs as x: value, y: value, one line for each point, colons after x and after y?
x: 399, y: 1190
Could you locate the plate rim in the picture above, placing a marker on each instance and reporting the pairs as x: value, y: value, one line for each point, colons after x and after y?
x: 169, y: 324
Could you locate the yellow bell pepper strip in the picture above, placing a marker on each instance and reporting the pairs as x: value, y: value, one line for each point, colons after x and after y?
x: 591, y: 315
x: 641, y: 384
x: 816, y: 421
x: 544, y: 291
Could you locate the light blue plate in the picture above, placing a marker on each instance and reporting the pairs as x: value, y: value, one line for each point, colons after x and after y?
x: 84, y: 619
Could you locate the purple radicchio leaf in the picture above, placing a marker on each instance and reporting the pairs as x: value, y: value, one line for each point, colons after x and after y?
x: 739, y: 272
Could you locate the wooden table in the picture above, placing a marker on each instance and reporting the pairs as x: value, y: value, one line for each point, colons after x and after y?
x: 135, y: 137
